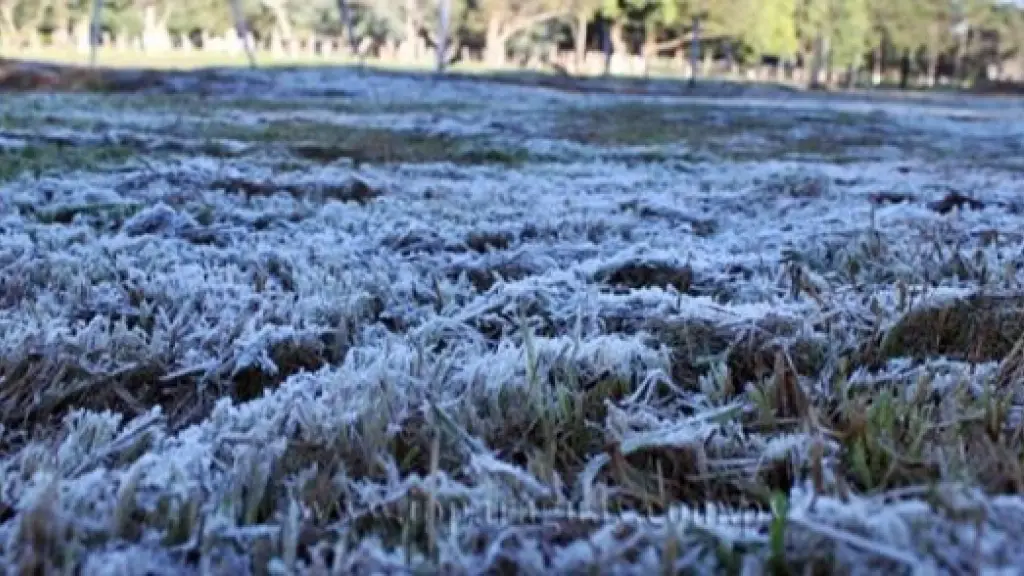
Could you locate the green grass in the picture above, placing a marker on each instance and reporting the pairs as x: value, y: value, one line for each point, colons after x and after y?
x: 38, y: 160
x: 632, y: 124
x: 321, y: 142
x: 307, y: 140
x: 213, y: 106
x: 166, y: 60
x: 703, y: 130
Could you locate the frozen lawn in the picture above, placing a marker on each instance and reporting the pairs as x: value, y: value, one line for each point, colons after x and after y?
x: 374, y: 323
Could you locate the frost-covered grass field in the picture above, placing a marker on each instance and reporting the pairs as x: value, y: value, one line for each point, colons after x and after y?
x: 338, y: 323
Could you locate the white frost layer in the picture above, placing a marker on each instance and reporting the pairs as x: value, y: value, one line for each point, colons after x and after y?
x: 221, y: 280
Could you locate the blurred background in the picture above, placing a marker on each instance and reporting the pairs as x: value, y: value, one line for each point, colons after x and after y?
x: 958, y: 44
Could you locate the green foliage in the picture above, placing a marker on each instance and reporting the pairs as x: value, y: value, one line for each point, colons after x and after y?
x: 850, y: 32
x: 845, y: 24
x: 783, y: 28
x: 41, y: 159
x: 398, y: 17
x: 777, y: 533
x: 611, y: 8
x: 770, y: 27
x: 184, y: 15
x: 912, y: 23
x: 649, y: 12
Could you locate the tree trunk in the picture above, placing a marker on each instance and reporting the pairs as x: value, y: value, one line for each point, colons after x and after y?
x: 442, y: 36
x: 8, y: 31
x: 582, y: 19
x: 817, y: 61
x: 649, y: 49
x: 961, y: 61
x: 80, y: 31
x: 407, y: 52
x: 905, y: 69
x: 283, y: 31
x: 494, y: 49
x: 958, y: 59
x: 606, y: 45
x: 619, y: 49
x: 705, y: 61
x: 730, y: 58
x: 94, y: 30
x: 346, y: 20
x: 501, y: 27
x: 60, y: 24
x: 830, y: 76
x: 876, y: 65
x: 619, y: 44
x: 933, y: 56
x: 242, y: 31
x: 389, y: 52
x: 154, y: 29
x: 933, y: 67
x: 695, y: 51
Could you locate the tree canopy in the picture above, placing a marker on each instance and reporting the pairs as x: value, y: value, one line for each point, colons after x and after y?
x: 786, y: 29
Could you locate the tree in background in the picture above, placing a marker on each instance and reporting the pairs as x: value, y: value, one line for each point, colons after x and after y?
x: 1009, y: 24
x: 973, y: 17
x: 506, y: 18
x: 836, y: 33
x: 851, y: 35
x: 409, y: 24
x: 823, y: 39
x: 769, y: 28
x: 580, y: 14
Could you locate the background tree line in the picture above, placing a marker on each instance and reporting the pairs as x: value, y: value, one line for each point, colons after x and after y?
x: 827, y: 41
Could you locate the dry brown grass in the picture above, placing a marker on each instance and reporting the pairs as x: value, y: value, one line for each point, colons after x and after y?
x: 135, y: 390
x: 980, y: 328
x: 748, y: 352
